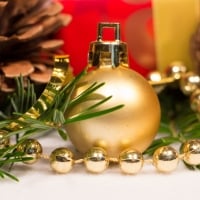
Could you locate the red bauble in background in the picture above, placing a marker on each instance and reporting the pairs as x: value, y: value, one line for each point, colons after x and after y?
x: 135, y: 17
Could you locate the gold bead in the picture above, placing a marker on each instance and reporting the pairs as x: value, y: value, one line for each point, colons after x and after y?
x: 131, y: 161
x: 155, y: 76
x: 176, y: 70
x: 156, y: 79
x: 191, y: 150
x: 165, y: 159
x: 195, y: 100
x: 4, y: 141
x: 61, y: 160
x: 96, y: 160
x: 31, y: 148
x: 189, y: 82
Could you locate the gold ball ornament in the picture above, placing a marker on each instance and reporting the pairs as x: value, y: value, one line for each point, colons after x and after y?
x: 96, y: 160
x: 61, y: 160
x: 4, y: 141
x: 32, y: 148
x: 191, y: 150
x: 133, y: 126
x: 165, y: 159
x: 131, y: 161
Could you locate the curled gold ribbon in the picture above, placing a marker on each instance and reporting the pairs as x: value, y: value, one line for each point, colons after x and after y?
x: 61, y: 75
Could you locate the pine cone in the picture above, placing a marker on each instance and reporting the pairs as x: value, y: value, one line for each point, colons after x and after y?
x: 195, y: 49
x: 26, y: 39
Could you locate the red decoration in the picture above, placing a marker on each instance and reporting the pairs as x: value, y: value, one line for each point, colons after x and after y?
x: 135, y: 17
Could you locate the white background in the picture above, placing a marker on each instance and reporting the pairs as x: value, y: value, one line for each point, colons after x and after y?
x: 39, y: 182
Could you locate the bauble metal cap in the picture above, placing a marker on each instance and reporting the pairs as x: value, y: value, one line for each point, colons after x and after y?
x: 115, y: 51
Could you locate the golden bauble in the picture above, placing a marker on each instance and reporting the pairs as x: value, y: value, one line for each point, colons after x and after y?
x: 31, y: 148
x: 133, y: 126
x: 165, y: 159
x: 131, y: 161
x: 61, y: 160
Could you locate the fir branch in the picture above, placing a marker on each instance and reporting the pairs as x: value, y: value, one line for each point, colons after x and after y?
x: 52, y: 118
x: 23, y: 98
x: 178, y: 122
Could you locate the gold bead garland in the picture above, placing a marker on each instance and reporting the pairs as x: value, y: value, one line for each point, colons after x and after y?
x: 188, y: 81
x: 165, y: 159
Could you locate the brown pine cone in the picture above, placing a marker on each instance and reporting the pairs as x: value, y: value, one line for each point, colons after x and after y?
x: 195, y: 49
x: 26, y: 39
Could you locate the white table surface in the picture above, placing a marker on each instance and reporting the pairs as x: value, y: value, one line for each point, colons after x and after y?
x: 39, y: 182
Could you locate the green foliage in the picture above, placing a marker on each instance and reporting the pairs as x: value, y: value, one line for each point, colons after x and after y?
x: 178, y: 122
x: 53, y: 118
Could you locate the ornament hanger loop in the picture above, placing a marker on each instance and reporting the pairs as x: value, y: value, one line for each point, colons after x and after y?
x: 108, y: 25
x: 111, y: 52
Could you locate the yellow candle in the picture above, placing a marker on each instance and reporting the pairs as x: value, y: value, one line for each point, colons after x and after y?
x: 174, y: 23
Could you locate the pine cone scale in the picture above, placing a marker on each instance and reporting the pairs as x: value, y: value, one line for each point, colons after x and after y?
x: 35, y: 17
x: 31, y: 33
x: 27, y: 45
x: 51, y: 44
x: 16, y: 69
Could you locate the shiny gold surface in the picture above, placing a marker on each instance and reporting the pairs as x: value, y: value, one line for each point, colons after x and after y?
x: 61, y: 160
x: 131, y: 161
x: 157, y: 80
x: 162, y: 82
x: 165, y: 159
x: 135, y: 125
x: 174, y: 72
x: 115, y: 50
x: 4, y: 141
x: 96, y: 160
x: 32, y: 148
x: 191, y: 150
x: 61, y: 75
x: 176, y: 69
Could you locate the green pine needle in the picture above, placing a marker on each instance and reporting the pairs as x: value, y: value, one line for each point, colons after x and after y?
x: 4, y: 174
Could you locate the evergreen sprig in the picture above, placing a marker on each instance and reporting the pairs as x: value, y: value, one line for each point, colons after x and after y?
x: 179, y: 122
x: 52, y: 118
